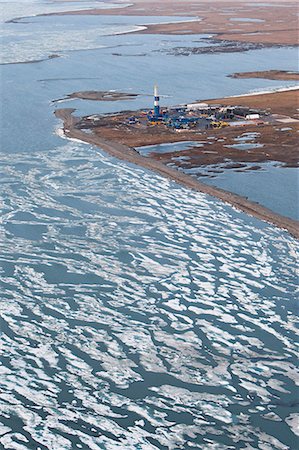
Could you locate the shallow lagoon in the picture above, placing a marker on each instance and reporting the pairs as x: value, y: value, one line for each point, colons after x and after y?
x: 273, y: 186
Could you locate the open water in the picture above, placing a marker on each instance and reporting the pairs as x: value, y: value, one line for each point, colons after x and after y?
x: 135, y: 314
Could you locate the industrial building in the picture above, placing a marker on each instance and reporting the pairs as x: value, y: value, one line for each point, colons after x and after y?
x: 199, y: 116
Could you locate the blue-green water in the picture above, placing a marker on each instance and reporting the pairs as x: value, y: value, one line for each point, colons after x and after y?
x: 135, y: 314
x: 271, y: 185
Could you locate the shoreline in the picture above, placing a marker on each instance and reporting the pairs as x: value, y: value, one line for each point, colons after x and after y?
x: 130, y: 155
x: 268, y: 75
x: 273, y: 138
x: 247, y: 22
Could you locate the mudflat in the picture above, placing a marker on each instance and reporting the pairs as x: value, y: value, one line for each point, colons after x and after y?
x: 100, y: 96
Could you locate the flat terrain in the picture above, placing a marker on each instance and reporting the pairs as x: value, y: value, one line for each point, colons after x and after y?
x: 101, y: 96
x: 275, y: 142
x: 285, y: 102
x: 269, y: 75
x: 257, y: 22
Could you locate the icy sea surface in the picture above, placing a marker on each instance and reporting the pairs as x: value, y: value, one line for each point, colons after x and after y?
x: 135, y: 314
x: 161, y: 320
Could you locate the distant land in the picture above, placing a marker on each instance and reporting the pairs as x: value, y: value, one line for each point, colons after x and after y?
x: 268, y: 74
x: 268, y: 23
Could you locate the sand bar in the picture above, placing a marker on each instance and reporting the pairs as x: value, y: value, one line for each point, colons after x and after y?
x: 100, y: 96
x: 268, y: 74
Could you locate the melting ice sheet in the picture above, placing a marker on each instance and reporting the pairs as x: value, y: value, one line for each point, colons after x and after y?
x: 137, y: 314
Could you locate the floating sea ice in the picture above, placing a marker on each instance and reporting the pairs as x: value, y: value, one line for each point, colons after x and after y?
x: 120, y: 371
x: 4, y: 430
x: 272, y: 416
x: 293, y: 421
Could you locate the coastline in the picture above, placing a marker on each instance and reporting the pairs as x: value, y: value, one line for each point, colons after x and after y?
x: 227, y: 20
x: 149, y: 239
x: 130, y: 155
x: 279, y: 101
x: 273, y: 139
x: 268, y: 75
x: 99, y: 96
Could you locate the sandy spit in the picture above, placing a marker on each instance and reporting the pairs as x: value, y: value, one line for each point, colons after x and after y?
x: 129, y: 154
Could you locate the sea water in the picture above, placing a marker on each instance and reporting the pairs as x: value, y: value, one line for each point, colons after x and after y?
x: 135, y: 314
